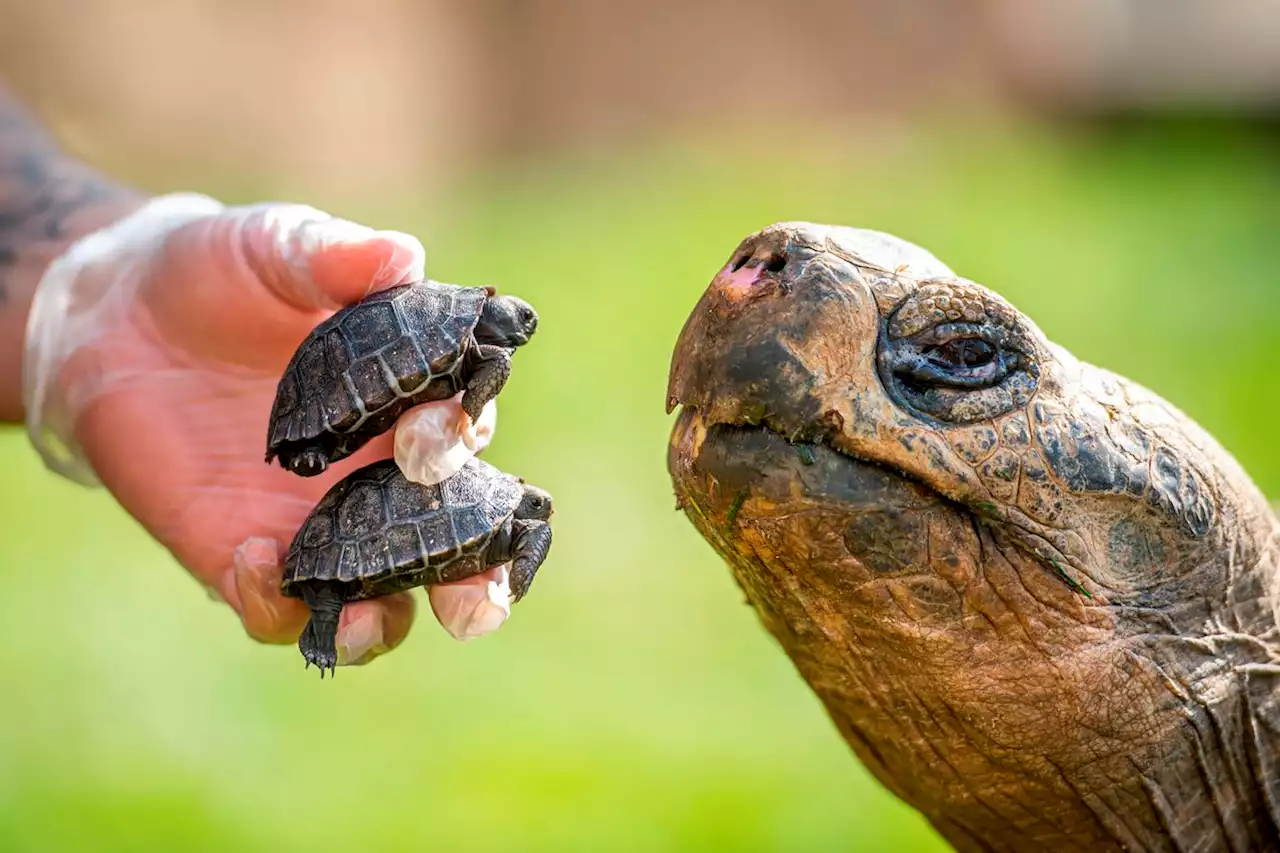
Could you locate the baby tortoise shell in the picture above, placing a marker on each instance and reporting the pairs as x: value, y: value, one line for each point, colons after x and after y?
x: 359, y: 370
x: 376, y: 533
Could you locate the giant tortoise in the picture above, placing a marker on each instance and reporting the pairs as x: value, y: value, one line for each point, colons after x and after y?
x: 1037, y: 600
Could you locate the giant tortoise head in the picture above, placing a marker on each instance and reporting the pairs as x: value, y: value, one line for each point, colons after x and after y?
x: 1037, y: 600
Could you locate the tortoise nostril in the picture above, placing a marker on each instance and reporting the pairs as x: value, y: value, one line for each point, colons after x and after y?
x: 767, y: 256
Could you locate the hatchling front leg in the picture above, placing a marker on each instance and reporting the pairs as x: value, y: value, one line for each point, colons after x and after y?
x: 490, y: 367
x: 531, y: 543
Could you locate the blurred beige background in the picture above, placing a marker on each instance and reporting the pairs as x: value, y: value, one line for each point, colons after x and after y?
x: 361, y: 98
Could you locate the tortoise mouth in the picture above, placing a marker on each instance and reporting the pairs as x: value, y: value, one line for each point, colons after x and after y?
x: 818, y: 517
x: 754, y: 457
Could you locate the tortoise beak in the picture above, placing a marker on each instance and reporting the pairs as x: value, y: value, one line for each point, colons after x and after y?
x: 763, y: 336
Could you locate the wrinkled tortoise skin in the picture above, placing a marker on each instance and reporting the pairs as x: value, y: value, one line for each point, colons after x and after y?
x: 1036, y: 599
x: 382, y: 533
x: 372, y: 361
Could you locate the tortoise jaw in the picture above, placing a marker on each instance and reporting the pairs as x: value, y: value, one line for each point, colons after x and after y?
x: 802, y: 521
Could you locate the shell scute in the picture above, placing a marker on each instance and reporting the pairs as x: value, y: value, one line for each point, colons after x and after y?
x: 365, y: 329
x: 336, y: 353
x: 405, y: 544
x: 348, y: 563
x: 441, y: 320
x: 318, y: 531
x: 438, y: 535
x: 341, y: 410
x: 406, y: 364
x: 371, y: 384
x: 375, y: 557
x: 360, y: 515
x: 406, y: 501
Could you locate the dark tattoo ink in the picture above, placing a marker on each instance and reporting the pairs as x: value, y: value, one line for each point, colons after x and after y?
x: 41, y: 189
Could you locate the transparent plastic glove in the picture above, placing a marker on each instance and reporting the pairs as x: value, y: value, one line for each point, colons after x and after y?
x: 152, y: 355
x: 473, y: 607
x: 433, y: 442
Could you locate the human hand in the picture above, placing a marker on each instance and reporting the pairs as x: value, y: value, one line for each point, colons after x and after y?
x: 153, y: 353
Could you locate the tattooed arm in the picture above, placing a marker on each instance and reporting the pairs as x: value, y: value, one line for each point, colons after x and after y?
x: 48, y: 200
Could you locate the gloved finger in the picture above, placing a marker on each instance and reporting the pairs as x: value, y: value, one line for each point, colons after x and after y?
x: 369, y: 629
x: 268, y: 615
x: 474, y: 606
x: 256, y: 280
x: 433, y: 441
x: 312, y: 260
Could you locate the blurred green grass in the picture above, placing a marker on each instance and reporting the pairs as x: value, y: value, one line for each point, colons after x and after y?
x: 633, y: 702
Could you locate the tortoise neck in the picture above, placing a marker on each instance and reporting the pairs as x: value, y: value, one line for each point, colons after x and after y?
x: 1145, y: 739
x: 490, y: 328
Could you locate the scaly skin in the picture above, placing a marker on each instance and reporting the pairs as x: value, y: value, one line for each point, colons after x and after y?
x: 490, y: 368
x: 1036, y: 599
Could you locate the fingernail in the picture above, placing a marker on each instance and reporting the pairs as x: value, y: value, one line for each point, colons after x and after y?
x: 491, y: 615
x: 317, y: 235
x: 268, y: 616
x: 476, y: 435
x: 361, y: 640
x: 484, y: 428
x: 408, y: 261
x: 468, y: 433
x: 468, y: 610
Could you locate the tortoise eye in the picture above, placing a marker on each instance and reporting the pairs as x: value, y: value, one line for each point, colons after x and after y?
x: 955, y: 353
x: 959, y: 372
x: 964, y: 352
x: 964, y: 363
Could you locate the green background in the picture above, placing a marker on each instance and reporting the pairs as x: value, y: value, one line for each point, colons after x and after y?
x: 633, y: 702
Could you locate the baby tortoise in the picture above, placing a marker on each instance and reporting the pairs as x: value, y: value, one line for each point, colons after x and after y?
x: 1037, y: 600
x: 362, y: 368
x: 377, y: 533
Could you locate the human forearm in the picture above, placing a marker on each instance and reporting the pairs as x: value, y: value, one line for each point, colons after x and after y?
x: 48, y: 200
